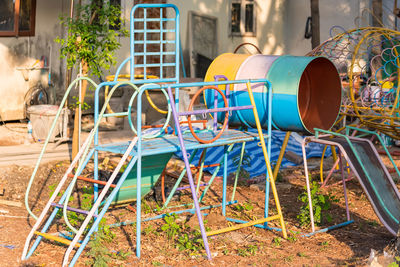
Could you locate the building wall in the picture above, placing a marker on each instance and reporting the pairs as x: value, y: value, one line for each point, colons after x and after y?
x: 342, y: 13
x: 22, y: 52
x: 280, y: 23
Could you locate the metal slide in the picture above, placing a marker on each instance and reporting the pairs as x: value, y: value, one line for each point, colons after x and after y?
x: 374, y: 178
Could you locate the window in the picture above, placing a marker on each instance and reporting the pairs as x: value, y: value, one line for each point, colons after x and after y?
x: 243, y: 18
x: 17, y: 17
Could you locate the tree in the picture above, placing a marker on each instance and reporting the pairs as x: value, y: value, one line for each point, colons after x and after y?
x: 92, y: 41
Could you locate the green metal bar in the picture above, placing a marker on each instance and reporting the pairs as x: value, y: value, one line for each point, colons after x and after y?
x: 171, y: 194
x: 201, y: 170
x: 214, y: 174
x: 238, y: 170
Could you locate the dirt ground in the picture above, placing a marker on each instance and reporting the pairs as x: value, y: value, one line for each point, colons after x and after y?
x: 347, y: 246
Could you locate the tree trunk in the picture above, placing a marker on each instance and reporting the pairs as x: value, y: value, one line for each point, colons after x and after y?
x: 75, y: 135
x: 377, y: 13
x: 315, y: 38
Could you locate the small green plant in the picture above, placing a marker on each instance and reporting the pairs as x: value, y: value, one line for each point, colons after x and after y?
x: 372, y: 223
x: 170, y: 227
x: 289, y: 258
x: 156, y: 263
x: 148, y: 230
x: 293, y: 237
x: 252, y: 249
x: 192, y: 241
x: 277, y: 241
x: 324, y: 245
x: 146, y: 207
x: 242, y: 252
x: 99, y: 254
x: 185, y: 237
x: 244, y: 207
x: 302, y: 254
x: 321, y: 204
x: 225, y: 251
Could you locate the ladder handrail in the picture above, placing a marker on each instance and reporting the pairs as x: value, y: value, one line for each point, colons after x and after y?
x: 98, y: 203
x: 52, y: 198
x: 53, y: 125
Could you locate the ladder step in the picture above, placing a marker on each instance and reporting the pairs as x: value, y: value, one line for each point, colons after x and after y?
x: 72, y: 209
x: 90, y: 180
x: 56, y: 238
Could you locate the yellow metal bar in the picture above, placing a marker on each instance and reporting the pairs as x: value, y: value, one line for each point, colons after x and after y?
x: 267, y: 162
x: 283, y: 149
x: 334, y: 155
x: 321, y: 166
x: 57, y: 238
x: 244, y: 225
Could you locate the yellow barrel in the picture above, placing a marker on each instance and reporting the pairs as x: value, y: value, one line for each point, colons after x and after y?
x: 227, y: 64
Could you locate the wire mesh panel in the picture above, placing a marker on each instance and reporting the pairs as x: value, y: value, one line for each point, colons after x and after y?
x: 155, y: 42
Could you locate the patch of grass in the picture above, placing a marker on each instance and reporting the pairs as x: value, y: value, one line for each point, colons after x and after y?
x: 372, y: 223
x: 289, y: 258
x: 324, y: 245
x: 149, y: 230
x: 185, y: 237
x: 277, y: 241
x: 99, y: 254
x: 156, y: 263
x: 301, y: 254
x: 293, y: 236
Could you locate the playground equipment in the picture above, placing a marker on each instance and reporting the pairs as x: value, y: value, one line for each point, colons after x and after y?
x: 366, y: 164
x: 368, y: 62
x: 157, y: 147
x: 306, y: 90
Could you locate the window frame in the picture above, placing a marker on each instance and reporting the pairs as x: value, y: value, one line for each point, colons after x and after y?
x: 16, y: 32
x: 242, y: 24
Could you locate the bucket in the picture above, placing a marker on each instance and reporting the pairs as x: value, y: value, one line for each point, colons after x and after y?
x: 42, y: 117
x: 306, y: 90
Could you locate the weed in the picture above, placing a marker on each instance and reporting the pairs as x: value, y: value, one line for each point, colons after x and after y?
x: 289, y: 258
x: 320, y: 202
x: 99, y: 253
x: 146, y: 207
x: 277, y: 241
x: 243, y: 252
x: 156, y: 263
x: 148, y: 230
x: 293, y: 237
x: 225, y: 251
x: 372, y: 223
x: 244, y: 207
x: 185, y: 240
x: 324, y: 245
x: 170, y: 227
x: 252, y: 249
x: 192, y: 241
x: 301, y: 254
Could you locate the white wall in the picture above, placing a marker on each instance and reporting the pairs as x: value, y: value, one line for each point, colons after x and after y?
x: 23, y: 52
x: 280, y: 23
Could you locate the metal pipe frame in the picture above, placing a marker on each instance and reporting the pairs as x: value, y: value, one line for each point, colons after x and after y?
x: 303, y: 147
